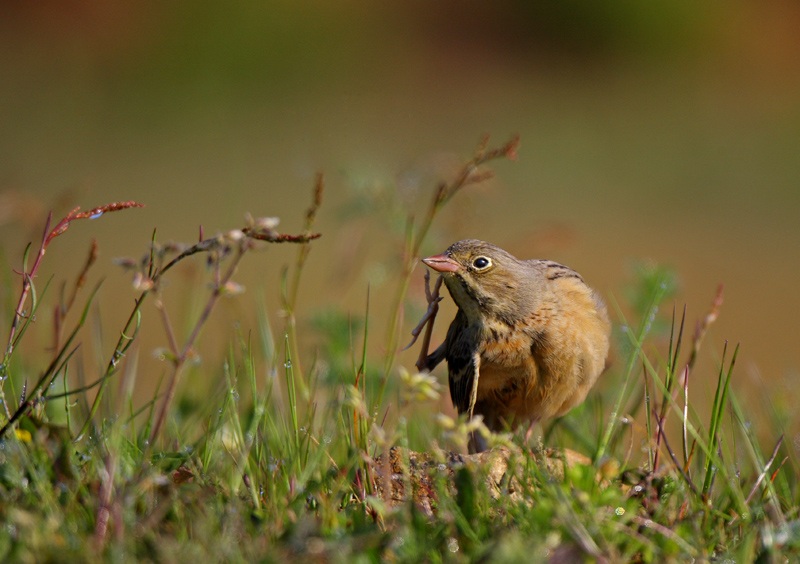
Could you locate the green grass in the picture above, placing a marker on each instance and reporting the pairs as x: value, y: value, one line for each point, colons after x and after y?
x: 270, y: 454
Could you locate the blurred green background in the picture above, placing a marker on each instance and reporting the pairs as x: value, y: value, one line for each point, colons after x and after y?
x: 659, y: 131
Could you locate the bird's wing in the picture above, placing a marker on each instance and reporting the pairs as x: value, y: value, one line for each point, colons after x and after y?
x: 463, y: 365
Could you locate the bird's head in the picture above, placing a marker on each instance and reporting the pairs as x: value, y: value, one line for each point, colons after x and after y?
x: 485, y: 280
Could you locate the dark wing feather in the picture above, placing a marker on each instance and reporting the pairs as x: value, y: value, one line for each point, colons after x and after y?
x: 462, y: 360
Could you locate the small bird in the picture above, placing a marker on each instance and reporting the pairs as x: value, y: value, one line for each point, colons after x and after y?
x: 528, y: 342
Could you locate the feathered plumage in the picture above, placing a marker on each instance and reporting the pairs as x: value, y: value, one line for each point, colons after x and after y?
x: 529, y: 340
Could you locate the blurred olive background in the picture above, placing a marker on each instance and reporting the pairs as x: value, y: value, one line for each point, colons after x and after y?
x: 666, y: 131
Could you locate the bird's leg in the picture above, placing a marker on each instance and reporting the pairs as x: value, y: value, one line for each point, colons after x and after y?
x: 476, y: 443
x: 529, y: 431
x: 426, y: 361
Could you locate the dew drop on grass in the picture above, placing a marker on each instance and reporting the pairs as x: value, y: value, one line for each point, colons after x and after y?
x: 287, y: 364
x: 452, y: 544
x: 327, y: 439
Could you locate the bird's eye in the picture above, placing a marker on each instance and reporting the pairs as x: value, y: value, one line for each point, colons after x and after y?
x: 481, y: 263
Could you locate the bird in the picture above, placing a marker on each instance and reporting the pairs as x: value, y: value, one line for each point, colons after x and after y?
x: 529, y: 339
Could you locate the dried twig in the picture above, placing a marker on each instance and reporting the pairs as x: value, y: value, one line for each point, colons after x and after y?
x: 704, y: 324
x: 22, y: 318
x: 763, y: 474
x: 47, y: 238
x: 291, y: 288
x: 469, y: 174
x: 63, y: 308
x: 427, y: 321
x: 433, y: 299
x: 148, y: 273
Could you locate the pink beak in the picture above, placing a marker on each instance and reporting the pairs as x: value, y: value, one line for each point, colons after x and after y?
x: 442, y: 263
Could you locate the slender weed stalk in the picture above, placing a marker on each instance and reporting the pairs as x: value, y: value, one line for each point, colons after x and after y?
x: 65, y: 305
x: 720, y: 401
x: 22, y: 318
x: 291, y: 390
x: 636, y: 342
x: 290, y: 288
x: 234, y: 244
x: 179, y: 354
x: 415, y: 237
x: 673, y: 351
x: 296, y: 474
x: 360, y: 422
x: 670, y: 394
